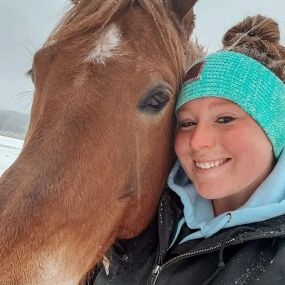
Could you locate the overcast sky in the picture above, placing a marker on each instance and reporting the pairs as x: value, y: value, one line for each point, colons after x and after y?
x: 24, y: 26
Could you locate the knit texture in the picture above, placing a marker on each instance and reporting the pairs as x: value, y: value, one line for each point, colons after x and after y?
x: 246, y: 82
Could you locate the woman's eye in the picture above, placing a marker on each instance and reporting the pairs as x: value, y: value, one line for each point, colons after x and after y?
x: 225, y: 119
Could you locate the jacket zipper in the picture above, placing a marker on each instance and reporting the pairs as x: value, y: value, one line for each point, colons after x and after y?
x: 158, y: 268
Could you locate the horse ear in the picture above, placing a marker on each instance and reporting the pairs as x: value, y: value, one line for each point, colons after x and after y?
x: 74, y: 1
x: 184, y: 11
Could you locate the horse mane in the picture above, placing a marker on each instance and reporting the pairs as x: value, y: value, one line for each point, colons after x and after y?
x: 88, y: 15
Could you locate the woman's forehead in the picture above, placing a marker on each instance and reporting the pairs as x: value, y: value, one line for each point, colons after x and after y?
x: 209, y: 102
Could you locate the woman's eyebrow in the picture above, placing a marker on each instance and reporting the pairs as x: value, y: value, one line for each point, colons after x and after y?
x: 218, y: 104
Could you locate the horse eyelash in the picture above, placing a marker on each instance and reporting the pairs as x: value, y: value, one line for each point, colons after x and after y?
x: 30, y: 74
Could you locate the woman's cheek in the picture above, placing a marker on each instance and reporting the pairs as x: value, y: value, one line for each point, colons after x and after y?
x: 180, y: 143
x: 237, y: 140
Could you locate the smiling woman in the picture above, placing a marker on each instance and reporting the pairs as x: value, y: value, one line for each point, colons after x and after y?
x: 216, y: 138
x: 98, y: 152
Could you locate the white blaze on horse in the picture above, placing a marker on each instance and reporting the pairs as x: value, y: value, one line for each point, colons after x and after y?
x: 99, y: 146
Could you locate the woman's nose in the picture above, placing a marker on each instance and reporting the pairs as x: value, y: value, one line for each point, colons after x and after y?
x: 203, y: 136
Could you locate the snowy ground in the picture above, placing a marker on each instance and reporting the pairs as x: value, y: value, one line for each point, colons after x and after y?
x: 9, y: 151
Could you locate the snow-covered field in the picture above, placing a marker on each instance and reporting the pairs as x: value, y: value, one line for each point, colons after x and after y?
x: 9, y: 151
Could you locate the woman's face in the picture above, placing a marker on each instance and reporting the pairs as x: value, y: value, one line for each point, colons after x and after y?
x: 223, y: 151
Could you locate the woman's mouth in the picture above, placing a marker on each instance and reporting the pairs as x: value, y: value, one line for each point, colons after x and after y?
x: 211, y: 163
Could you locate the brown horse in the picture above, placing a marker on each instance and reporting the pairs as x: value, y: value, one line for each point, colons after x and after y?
x: 99, y: 145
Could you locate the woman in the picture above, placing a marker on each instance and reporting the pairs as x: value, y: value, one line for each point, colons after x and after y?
x: 222, y: 220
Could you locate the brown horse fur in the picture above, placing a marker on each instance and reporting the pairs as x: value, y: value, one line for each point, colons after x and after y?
x: 96, y: 156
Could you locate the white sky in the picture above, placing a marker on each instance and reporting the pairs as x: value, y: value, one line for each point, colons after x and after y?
x: 25, y: 24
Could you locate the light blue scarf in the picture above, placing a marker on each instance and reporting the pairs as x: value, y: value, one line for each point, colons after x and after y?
x: 268, y: 201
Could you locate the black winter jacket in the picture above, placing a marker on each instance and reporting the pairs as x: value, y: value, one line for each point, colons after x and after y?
x: 250, y: 254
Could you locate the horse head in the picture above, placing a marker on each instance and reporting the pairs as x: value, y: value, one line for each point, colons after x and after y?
x: 99, y: 145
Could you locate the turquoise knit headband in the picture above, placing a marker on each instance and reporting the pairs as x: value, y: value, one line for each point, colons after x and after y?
x: 246, y: 82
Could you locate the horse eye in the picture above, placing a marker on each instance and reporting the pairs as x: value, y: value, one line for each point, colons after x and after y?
x: 154, y: 102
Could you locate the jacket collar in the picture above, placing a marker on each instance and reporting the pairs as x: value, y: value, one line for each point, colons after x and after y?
x: 171, y: 211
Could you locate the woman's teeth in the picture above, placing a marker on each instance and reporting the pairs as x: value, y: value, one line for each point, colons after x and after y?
x: 210, y: 164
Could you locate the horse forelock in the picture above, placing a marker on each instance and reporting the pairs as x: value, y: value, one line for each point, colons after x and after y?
x: 102, y: 14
